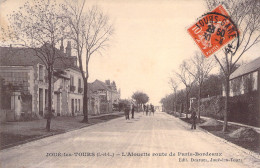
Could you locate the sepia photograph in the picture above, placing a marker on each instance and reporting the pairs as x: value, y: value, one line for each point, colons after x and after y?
x: 133, y: 84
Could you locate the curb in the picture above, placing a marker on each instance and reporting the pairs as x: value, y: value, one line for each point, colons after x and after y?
x: 249, y: 152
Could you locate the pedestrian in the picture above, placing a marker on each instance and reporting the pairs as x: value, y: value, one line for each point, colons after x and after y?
x: 144, y: 108
x: 133, y: 111
x: 147, y: 109
x: 127, y: 110
x: 152, y: 109
x: 193, y: 119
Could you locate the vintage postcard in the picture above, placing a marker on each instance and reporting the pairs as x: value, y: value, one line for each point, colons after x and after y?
x: 133, y: 84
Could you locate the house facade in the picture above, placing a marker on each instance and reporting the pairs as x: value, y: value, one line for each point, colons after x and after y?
x: 75, y: 100
x: 25, y: 76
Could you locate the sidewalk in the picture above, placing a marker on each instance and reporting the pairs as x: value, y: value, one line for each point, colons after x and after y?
x: 15, y: 133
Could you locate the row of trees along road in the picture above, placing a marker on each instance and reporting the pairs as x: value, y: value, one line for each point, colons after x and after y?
x: 40, y: 25
x: 191, y: 72
x: 212, y: 86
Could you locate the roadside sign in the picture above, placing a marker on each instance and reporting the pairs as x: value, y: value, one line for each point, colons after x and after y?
x: 213, y: 31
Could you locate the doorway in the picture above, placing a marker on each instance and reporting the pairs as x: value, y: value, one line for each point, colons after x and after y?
x: 72, y: 107
x: 41, y: 101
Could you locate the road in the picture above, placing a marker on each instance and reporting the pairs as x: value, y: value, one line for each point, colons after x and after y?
x: 112, y: 144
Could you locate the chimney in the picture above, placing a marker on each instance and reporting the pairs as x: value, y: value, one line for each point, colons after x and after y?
x: 68, y: 48
x: 108, y: 82
x: 61, y: 46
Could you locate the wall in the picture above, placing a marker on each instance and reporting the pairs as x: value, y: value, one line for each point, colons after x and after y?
x: 243, y: 108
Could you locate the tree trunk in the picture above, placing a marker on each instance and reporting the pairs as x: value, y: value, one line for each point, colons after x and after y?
x: 173, y: 107
x: 199, y: 97
x: 49, y: 114
x: 187, y: 104
x: 175, y: 97
x: 85, y: 101
x: 226, y: 111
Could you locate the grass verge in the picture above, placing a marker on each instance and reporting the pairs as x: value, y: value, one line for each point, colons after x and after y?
x: 239, y: 135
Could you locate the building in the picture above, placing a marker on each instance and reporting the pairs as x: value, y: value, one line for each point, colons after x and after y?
x: 24, y: 77
x: 246, y: 78
x: 103, y: 97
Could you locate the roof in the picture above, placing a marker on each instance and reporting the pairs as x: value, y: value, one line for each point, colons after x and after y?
x: 98, y: 85
x: 18, y: 57
x: 13, y: 56
x: 246, y: 68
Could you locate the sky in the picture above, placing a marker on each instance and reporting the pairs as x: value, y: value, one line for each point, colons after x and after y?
x: 150, y: 41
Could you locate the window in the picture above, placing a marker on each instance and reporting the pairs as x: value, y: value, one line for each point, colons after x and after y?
x: 72, y: 87
x: 41, y: 73
x: 71, y: 80
x: 46, y: 97
x: 76, y: 109
x: 79, y: 83
x: 254, y: 80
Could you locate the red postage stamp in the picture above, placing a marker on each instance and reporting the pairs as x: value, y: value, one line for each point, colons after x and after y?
x: 213, y: 31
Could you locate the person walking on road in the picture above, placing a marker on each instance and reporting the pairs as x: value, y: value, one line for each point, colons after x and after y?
x: 144, y: 106
x: 147, y: 109
x: 193, y: 118
x: 127, y: 110
x: 133, y: 111
x: 152, y: 109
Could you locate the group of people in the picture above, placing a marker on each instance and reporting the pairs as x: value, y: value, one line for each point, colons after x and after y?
x: 127, y: 110
x: 148, y: 109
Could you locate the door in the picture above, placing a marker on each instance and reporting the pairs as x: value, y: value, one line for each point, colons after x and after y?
x: 58, y: 105
x: 72, y: 107
x: 41, y: 101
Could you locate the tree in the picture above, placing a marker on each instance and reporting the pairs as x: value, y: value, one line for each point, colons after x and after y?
x: 245, y: 14
x: 212, y: 86
x: 168, y: 99
x: 174, y: 83
x: 188, y: 80
x: 200, y: 70
x: 38, y: 26
x: 140, y: 98
x: 90, y: 31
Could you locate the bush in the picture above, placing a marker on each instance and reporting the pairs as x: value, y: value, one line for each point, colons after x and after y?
x: 213, y: 107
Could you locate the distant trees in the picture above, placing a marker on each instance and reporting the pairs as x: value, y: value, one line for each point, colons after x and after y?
x: 140, y: 98
x: 174, y: 83
x: 212, y: 87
